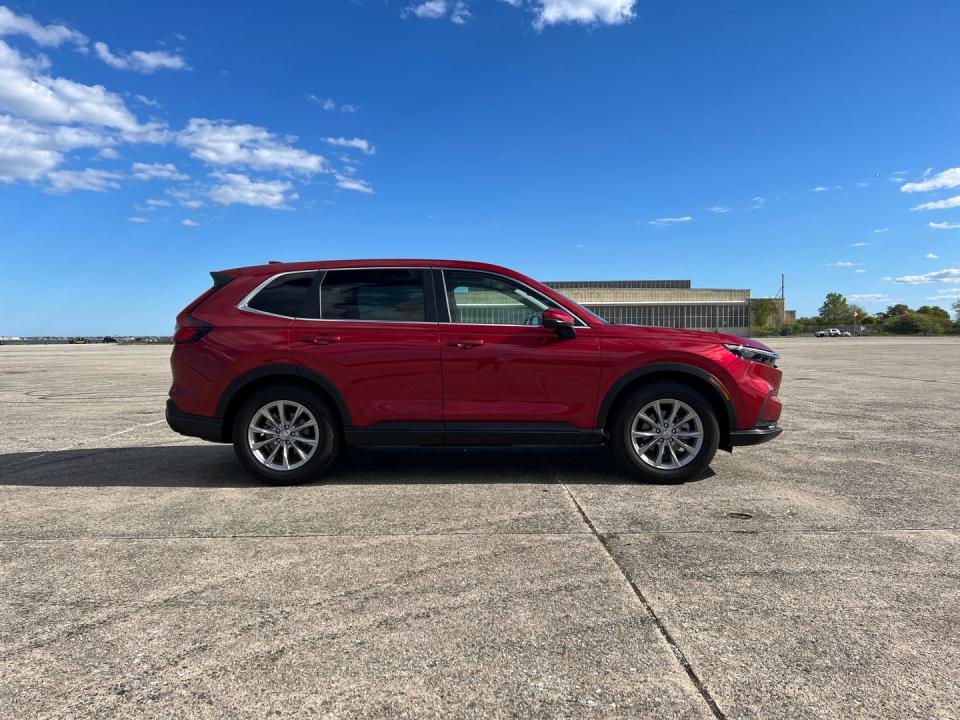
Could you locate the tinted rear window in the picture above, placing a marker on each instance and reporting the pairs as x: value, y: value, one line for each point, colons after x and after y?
x: 391, y: 295
x: 284, y: 296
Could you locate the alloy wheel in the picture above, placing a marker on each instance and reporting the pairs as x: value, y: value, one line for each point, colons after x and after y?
x: 666, y: 434
x: 283, y: 435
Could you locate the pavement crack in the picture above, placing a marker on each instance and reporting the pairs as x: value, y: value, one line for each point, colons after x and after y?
x: 661, y: 628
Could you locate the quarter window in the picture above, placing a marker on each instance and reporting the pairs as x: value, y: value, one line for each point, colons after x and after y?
x: 389, y: 295
x: 484, y: 299
x: 284, y: 296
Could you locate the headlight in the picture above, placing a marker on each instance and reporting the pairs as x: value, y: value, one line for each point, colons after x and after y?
x: 767, y: 357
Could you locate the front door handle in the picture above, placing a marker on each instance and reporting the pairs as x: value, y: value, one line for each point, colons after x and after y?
x: 465, y: 343
x: 320, y: 339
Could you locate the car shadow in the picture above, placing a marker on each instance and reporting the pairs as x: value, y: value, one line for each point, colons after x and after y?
x: 214, y: 466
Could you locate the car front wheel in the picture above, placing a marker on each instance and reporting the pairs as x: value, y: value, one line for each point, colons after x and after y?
x: 665, y: 432
x: 285, y: 435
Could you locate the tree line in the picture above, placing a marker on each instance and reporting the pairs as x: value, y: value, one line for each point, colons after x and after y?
x: 897, y: 319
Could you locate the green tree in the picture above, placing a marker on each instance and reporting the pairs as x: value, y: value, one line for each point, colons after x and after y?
x: 912, y: 323
x: 898, y: 309
x: 764, y: 312
x: 834, y: 309
x: 956, y: 312
x: 860, y: 313
x: 934, y: 311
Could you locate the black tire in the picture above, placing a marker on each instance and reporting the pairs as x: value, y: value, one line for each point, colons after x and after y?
x: 327, y: 435
x: 622, y: 441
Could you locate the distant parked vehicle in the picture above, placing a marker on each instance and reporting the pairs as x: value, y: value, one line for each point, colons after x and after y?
x: 108, y: 339
x: 832, y: 332
x: 845, y: 333
x: 78, y: 341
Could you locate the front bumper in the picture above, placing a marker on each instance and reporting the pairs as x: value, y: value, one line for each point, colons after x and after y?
x: 754, y: 436
x: 206, y: 428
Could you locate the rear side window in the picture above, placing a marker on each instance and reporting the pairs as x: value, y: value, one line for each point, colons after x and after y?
x: 284, y: 296
x: 390, y: 295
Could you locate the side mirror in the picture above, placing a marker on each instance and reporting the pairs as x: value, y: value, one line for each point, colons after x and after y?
x: 561, y: 321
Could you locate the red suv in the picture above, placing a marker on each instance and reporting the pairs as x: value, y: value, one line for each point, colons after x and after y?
x: 289, y: 362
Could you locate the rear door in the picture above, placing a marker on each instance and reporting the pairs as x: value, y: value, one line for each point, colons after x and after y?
x: 373, y: 333
x: 500, y: 366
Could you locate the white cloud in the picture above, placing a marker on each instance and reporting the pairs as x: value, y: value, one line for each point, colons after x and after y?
x: 870, y: 297
x: 221, y: 143
x: 138, y: 220
x: 47, y: 35
x: 585, y: 12
x: 843, y: 263
x: 859, y: 270
x: 881, y: 230
x: 428, y: 10
x: 943, y: 225
x: 156, y: 171
x: 237, y: 189
x: 65, y: 181
x: 460, y: 13
x: 326, y: 103
x: 144, y: 100
x: 945, y: 295
x: 28, y: 150
x: 931, y: 256
x: 819, y: 188
x: 947, y: 275
x: 141, y: 61
x: 941, y: 181
x: 951, y: 202
x: 758, y: 202
x: 31, y: 95
x: 189, y: 223
x: 184, y: 198
x: 718, y: 209
x: 158, y: 203
x: 108, y: 153
x: 661, y: 222
x: 860, y: 244
x: 349, y: 183
x: 355, y: 143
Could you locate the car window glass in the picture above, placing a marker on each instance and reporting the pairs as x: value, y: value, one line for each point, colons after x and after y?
x: 482, y: 298
x: 284, y: 296
x: 390, y: 295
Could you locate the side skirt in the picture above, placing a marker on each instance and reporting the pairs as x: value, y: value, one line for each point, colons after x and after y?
x: 472, y: 433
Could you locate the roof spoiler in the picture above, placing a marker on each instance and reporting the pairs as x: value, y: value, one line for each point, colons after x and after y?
x: 222, y: 277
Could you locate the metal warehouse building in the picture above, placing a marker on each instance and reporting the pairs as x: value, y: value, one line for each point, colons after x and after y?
x: 666, y: 303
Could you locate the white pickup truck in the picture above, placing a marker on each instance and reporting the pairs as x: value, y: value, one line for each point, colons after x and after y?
x: 831, y: 332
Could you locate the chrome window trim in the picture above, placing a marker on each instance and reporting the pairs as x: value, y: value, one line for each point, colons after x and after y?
x: 553, y: 303
x: 244, y: 306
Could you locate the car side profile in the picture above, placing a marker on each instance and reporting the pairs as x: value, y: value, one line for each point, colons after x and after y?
x: 292, y: 361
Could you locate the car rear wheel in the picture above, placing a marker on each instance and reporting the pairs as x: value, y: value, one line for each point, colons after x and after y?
x: 665, y: 432
x: 285, y: 435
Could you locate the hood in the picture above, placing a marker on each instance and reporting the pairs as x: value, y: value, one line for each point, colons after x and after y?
x: 682, y: 334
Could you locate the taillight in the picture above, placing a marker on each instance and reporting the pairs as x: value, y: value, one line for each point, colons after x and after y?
x: 189, y: 330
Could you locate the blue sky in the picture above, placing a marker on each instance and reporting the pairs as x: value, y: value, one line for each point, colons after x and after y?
x: 142, y: 145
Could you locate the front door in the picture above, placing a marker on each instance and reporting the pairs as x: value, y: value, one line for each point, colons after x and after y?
x: 376, y: 341
x: 500, y: 366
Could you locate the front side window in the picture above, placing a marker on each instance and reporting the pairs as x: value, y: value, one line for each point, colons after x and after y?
x: 284, y: 295
x: 484, y: 299
x: 388, y: 295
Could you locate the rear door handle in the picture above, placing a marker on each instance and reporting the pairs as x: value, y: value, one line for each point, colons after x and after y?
x: 320, y: 339
x: 465, y: 343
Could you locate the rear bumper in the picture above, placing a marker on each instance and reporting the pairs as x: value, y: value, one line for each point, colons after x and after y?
x: 206, y: 428
x: 754, y: 436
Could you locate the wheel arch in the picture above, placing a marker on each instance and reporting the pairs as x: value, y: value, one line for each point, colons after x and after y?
x: 707, y: 384
x: 250, y: 382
